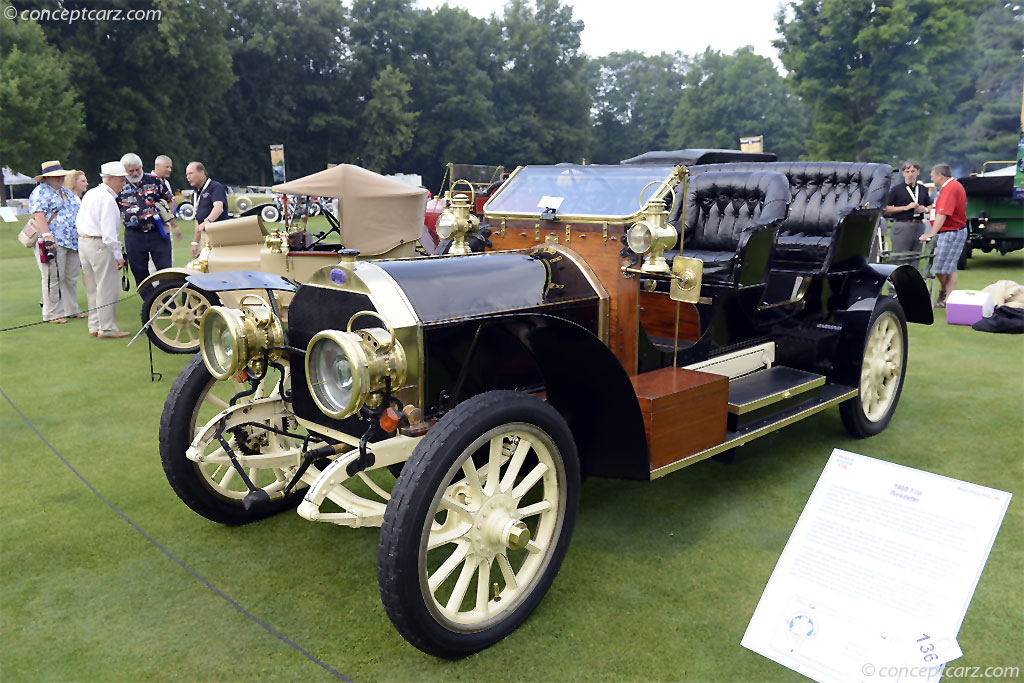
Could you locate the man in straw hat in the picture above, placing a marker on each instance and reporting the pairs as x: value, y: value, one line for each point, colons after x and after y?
x: 53, y: 210
x: 98, y: 222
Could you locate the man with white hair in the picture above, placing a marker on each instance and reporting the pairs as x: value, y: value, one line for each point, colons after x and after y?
x: 100, y: 250
x: 145, y: 236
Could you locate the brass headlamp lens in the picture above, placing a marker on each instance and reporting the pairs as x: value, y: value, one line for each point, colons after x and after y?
x: 337, y: 372
x: 640, y: 238
x: 232, y: 339
x: 445, y: 224
x: 347, y: 370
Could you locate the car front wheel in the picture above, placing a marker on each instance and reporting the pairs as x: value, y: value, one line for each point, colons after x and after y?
x: 882, y: 370
x: 214, y: 488
x: 186, y: 211
x: 478, y: 523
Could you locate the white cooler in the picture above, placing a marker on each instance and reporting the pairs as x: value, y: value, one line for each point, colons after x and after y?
x: 966, y: 307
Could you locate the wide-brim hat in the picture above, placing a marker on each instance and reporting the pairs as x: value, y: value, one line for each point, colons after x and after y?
x: 113, y: 168
x: 51, y: 169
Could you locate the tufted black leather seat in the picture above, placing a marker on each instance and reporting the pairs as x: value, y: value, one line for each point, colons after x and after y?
x: 826, y: 198
x: 731, y: 222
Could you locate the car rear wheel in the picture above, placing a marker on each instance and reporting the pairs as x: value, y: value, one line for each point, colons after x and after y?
x: 270, y: 214
x: 186, y: 211
x: 478, y: 523
x: 176, y: 327
x: 213, y: 488
x: 243, y: 205
x: 882, y: 370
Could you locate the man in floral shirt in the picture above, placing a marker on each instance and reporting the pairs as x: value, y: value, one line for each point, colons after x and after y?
x: 145, y: 235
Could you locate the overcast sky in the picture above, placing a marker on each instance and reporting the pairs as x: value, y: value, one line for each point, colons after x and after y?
x: 653, y: 26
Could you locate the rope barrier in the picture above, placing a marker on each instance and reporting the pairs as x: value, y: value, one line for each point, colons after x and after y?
x: 87, y: 310
x: 267, y: 627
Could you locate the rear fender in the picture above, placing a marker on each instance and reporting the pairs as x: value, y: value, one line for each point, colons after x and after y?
x: 865, y: 286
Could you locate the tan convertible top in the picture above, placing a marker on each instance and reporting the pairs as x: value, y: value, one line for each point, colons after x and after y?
x: 377, y: 213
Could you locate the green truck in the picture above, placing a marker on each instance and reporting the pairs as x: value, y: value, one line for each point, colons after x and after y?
x: 994, y: 217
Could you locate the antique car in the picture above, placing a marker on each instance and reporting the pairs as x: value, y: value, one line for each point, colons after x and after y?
x: 246, y: 201
x: 380, y: 217
x: 183, y: 206
x: 994, y: 218
x: 458, y: 402
x: 481, y: 180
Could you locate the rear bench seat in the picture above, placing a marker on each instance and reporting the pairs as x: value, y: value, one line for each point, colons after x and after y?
x: 833, y: 209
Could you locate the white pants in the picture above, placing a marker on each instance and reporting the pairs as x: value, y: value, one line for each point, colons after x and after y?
x: 60, y: 283
x: 102, y: 284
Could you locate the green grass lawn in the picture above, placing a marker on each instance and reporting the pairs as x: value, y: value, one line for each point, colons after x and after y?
x: 659, y: 584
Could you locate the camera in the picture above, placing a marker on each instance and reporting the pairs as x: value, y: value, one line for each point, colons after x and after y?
x: 47, y: 251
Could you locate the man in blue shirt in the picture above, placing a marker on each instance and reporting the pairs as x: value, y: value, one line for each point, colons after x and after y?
x: 210, y: 200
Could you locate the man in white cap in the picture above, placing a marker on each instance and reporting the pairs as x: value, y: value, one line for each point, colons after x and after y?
x: 100, y: 249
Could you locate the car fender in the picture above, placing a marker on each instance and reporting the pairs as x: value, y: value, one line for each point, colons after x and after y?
x: 866, y: 284
x: 862, y: 295
x: 166, y: 274
x: 587, y: 384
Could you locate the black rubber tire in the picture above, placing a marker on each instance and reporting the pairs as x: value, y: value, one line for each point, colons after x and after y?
x: 151, y: 303
x: 270, y: 213
x: 431, y: 469
x: 177, y: 428
x: 852, y: 412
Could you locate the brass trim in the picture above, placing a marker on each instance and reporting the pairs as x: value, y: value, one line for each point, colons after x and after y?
x: 568, y: 234
x: 744, y: 408
x: 603, y: 309
x: 502, y: 227
x: 536, y: 232
x: 750, y: 436
x: 604, y: 231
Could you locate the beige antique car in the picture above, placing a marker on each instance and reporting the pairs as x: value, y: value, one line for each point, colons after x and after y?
x: 379, y: 217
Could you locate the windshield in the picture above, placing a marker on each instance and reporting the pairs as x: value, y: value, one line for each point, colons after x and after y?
x: 600, y: 191
x: 479, y: 176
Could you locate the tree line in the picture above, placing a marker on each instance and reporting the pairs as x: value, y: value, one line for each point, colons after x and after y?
x: 394, y: 88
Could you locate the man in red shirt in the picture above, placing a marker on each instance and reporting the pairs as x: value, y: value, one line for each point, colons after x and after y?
x: 951, y: 227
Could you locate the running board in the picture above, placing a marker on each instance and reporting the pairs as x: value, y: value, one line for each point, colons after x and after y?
x: 831, y: 394
x: 761, y: 395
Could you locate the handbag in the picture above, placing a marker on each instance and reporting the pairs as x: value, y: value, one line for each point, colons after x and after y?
x: 29, y: 234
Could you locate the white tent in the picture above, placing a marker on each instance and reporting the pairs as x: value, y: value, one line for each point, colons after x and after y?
x: 13, y: 178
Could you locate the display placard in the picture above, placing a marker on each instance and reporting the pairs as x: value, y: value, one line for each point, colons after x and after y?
x: 878, y: 573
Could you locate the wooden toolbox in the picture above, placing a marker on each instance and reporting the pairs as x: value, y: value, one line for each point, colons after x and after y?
x: 684, y: 412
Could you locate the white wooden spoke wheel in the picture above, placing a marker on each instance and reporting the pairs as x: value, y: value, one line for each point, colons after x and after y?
x: 882, y: 370
x: 213, y: 487
x: 175, y: 329
x: 478, y: 523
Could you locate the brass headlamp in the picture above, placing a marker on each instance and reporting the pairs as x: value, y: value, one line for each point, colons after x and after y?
x: 652, y: 235
x: 232, y: 339
x: 347, y: 370
x: 457, y: 220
